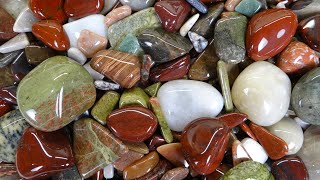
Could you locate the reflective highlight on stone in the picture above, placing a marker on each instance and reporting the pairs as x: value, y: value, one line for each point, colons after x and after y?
x: 291, y: 167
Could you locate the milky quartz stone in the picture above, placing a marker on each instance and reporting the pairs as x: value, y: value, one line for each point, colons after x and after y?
x: 288, y: 130
x: 183, y: 101
x: 255, y: 150
x: 262, y: 91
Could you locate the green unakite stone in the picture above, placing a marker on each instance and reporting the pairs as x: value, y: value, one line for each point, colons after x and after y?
x: 225, y: 85
x: 104, y: 106
x: 248, y: 170
x: 130, y: 44
x: 153, y: 89
x: 165, y: 130
x: 248, y: 7
x: 55, y: 93
x: 134, y: 96
x: 133, y: 24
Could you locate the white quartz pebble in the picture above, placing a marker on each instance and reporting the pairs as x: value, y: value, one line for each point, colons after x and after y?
x: 94, y: 23
x: 24, y: 21
x: 108, y: 171
x: 20, y: 41
x: 106, y: 86
x: 255, y: 150
x: 95, y: 75
x: 77, y: 55
x: 262, y: 91
x: 188, y: 25
x: 183, y: 101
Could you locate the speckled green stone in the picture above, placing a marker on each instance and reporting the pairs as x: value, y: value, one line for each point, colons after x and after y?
x: 134, y: 96
x: 12, y: 126
x: 225, y: 85
x: 130, y: 44
x: 153, y: 89
x: 133, y: 24
x: 55, y: 93
x: 248, y: 7
x: 104, y: 106
x: 248, y: 170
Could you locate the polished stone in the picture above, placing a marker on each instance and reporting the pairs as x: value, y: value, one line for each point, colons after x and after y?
x: 6, y: 27
x: 106, y: 86
x: 253, y: 93
x: 95, y: 75
x: 306, y: 8
x: 155, y: 141
x: 48, y: 10
x: 178, y: 173
x: 198, y: 5
x: 77, y: 55
x: 134, y: 97
x: 138, y: 5
x: 18, y: 42
x: 139, y: 147
x: 14, y: 7
x: 199, y: 42
x: 308, y: 31
x: 61, y: 100
x: 130, y: 44
x: 24, y: 21
x: 9, y: 94
x: 127, y: 159
x: 8, y: 172
x: 5, y: 107
x: 117, y: 14
x: 157, y: 172
x: 7, y: 77
x: 153, y: 89
x: 163, y: 46
x: 108, y: 5
x: 185, y: 28
x: 245, y: 128
x: 248, y: 7
x: 173, y: 153
x: 89, y: 43
x: 239, y: 153
x: 20, y: 67
x: 81, y: 8
x: 94, y: 147
x: 147, y: 64
x: 70, y: 174
x: 225, y: 86
x: 108, y: 172
x: 290, y: 167
x: 255, y: 150
x: 37, y: 53
x: 230, y: 5
x: 8, y: 58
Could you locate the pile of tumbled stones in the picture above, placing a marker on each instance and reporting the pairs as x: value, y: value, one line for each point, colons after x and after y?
x: 160, y: 89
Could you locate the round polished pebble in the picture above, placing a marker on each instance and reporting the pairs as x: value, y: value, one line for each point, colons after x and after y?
x: 290, y: 167
x: 255, y: 150
x: 262, y: 91
x: 117, y: 14
x: 309, y: 31
x: 89, y: 43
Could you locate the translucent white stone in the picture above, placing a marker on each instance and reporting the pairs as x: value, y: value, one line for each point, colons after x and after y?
x: 188, y: 25
x: 14, y: 7
x: 77, y: 55
x: 255, y: 150
x: 108, y: 171
x: 24, y: 21
x: 20, y: 41
x: 95, y: 75
x: 302, y: 124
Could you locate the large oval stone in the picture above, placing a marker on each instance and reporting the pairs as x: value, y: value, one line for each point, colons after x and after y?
x: 183, y: 101
x: 269, y: 32
x: 262, y: 91
x: 55, y: 93
x: 290, y: 167
x: 133, y: 124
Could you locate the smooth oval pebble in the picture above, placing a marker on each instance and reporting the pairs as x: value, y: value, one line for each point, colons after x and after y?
x: 290, y: 131
x: 185, y: 28
x: 262, y: 91
x: 255, y: 150
x: 117, y: 14
x: 178, y: 173
x: 89, y: 43
x: 183, y: 101
x: 173, y: 153
x: 308, y: 29
x: 290, y: 167
x: 269, y: 32
x: 122, y: 121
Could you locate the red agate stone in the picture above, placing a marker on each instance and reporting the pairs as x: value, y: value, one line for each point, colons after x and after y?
x: 6, y: 25
x: 5, y: 107
x: 269, y: 32
x: 50, y: 10
x: 81, y: 8
x: 309, y: 31
x: 290, y: 167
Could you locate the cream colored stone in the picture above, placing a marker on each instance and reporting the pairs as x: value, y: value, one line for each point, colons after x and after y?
x: 188, y: 25
x: 90, y: 43
x: 117, y: 14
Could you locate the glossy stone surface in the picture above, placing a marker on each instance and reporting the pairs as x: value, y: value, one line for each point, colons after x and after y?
x: 138, y: 5
x: 188, y: 100
x: 81, y: 8
x: 95, y: 75
x: 229, y: 35
x: 6, y: 27
x: 225, y: 86
x: 108, y: 172
x: 185, y: 28
x: 94, y: 147
x: 157, y: 172
x: 253, y: 93
x: 255, y: 150
x: 52, y: 34
x: 275, y: 147
x: 198, y: 5
x: 155, y: 141
x: 9, y: 94
x: 8, y: 58
x: 133, y: 24
x: 153, y: 89
x: 248, y: 170
x: 176, y: 174
x: 77, y: 55
x: 105, y: 86
x: 297, y: 58
x: 309, y: 153
x: 12, y: 126
x: 104, y: 106
x: 13, y: 7
x: 130, y: 44
x: 48, y: 10
x: 108, y: 5
x: 62, y: 100
x: 289, y: 131
x: 5, y: 107
x: 173, y: 153
x: 18, y: 42
x: 304, y: 99
x: 42, y: 154
x: 89, y: 43
x: 248, y: 7
x: 36, y: 53
x: 120, y: 67
x: 134, y: 97
x: 142, y: 166
x: 127, y: 159
x: 291, y: 167
x: 269, y: 32
x: 24, y: 21
x: 239, y: 153
x: 7, y: 77
x: 205, y: 25
x: 139, y: 147
x: 305, y: 9
x: 147, y: 64
x: 307, y: 29
x: 20, y: 67
x: 199, y: 42
x: 122, y: 120
x: 230, y: 5
x: 163, y: 46
x: 117, y: 14
x: 70, y: 174
x: 172, y: 70
x: 172, y: 14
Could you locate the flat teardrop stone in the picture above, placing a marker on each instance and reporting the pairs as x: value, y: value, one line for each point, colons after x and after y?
x: 67, y: 90
x: 308, y: 30
x: 142, y: 166
x: 134, y: 97
x: 43, y: 153
x: 48, y: 10
x: 173, y: 153
x: 94, y: 147
x: 52, y: 34
x: 269, y: 32
x: 172, y: 14
x: 6, y: 26
x: 120, y: 67
x: 297, y: 58
x: 127, y: 159
x: 176, y: 69
x: 5, y: 107
x: 122, y: 120
x: 290, y: 167
x: 275, y: 147
x: 81, y: 8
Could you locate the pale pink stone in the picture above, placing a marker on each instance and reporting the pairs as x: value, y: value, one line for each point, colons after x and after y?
x: 117, y: 14
x: 230, y: 5
x: 90, y: 43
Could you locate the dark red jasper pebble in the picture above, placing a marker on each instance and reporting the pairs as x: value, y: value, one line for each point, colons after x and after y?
x: 9, y: 94
x: 133, y: 123
x: 157, y: 172
x: 41, y: 154
x: 309, y: 31
x: 171, y: 70
x: 50, y: 10
x: 155, y: 141
x: 290, y: 167
x: 4, y: 107
x: 81, y: 8
x: 6, y: 26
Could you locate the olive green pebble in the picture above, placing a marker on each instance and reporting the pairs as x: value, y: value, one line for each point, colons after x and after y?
x: 134, y: 97
x: 248, y: 170
x: 225, y: 85
x: 104, y: 106
x: 153, y: 89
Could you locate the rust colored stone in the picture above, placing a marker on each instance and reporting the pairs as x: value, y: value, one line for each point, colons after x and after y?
x: 247, y: 130
x: 155, y: 141
x: 5, y: 107
x: 127, y: 159
x: 81, y: 8
x: 309, y: 31
x: 6, y: 25
x: 173, y: 153
x: 48, y: 10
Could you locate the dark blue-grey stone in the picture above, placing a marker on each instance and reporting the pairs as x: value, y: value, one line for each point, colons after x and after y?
x: 198, y: 5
